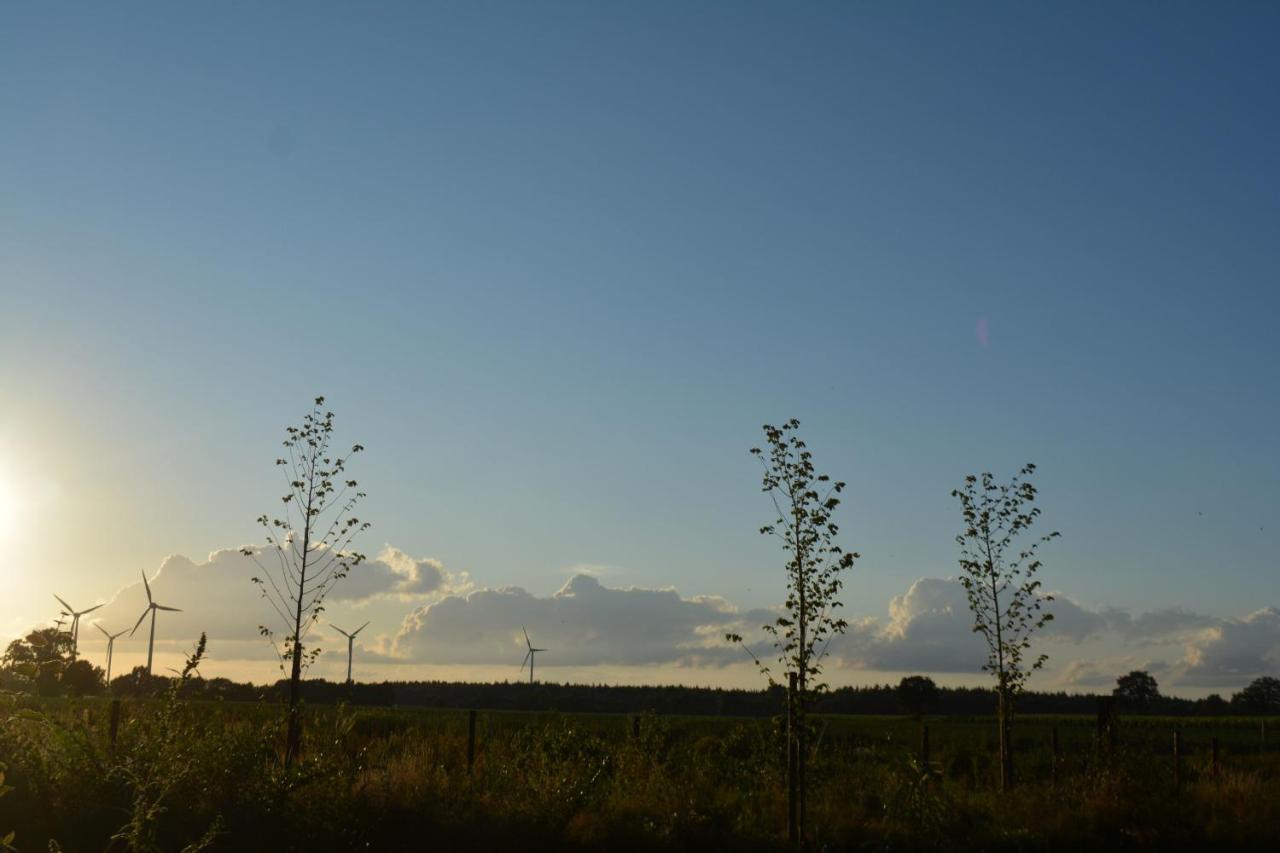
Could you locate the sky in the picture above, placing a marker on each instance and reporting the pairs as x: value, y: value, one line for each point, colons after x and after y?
x: 555, y: 264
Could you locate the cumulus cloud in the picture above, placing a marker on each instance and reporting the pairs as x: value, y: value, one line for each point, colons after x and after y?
x: 583, y: 623
x: 396, y: 573
x: 217, y: 597
x: 426, y: 615
x: 1234, y: 650
x: 1103, y: 673
x: 930, y: 629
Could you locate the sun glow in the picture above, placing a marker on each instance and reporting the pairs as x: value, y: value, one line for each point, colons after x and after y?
x: 8, y: 509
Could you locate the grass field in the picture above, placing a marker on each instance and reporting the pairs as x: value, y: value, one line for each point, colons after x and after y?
x: 393, y: 779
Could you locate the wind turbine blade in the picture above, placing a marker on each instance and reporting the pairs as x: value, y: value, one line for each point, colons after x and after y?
x: 148, y: 587
x: 162, y: 607
x: 139, y: 622
x: 526, y: 636
x: 340, y: 631
x: 63, y: 603
x: 91, y: 609
x: 361, y: 628
x: 526, y: 659
x: 103, y: 630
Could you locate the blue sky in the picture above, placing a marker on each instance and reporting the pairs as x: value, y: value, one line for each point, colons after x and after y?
x: 554, y: 264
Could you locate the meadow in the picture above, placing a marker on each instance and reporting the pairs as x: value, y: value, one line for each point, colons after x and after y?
x: 194, y: 774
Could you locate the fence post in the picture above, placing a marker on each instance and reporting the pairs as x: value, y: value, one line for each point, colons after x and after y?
x: 1177, y: 759
x: 1106, y: 724
x: 924, y: 746
x: 793, y: 828
x: 635, y: 727
x: 1053, y: 755
x: 1262, y: 735
x: 114, y: 725
x: 471, y: 740
x: 1213, y: 758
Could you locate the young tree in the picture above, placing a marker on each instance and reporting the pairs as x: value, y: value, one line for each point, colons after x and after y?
x: 310, y: 547
x: 998, y: 576
x: 805, y: 502
x: 1136, y: 691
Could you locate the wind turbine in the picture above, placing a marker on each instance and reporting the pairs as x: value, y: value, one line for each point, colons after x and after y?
x: 529, y: 655
x: 351, y: 641
x: 75, y: 622
x: 152, y: 607
x: 111, y: 642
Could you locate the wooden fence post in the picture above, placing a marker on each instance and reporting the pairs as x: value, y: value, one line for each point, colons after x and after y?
x: 114, y: 725
x: 1106, y: 725
x: 1053, y: 755
x: 793, y: 827
x: 924, y: 747
x: 635, y: 727
x: 471, y: 740
x: 1213, y: 758
x: 1177, y: 759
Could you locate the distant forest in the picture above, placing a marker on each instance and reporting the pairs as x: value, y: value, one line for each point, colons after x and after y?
x: 674, y: 700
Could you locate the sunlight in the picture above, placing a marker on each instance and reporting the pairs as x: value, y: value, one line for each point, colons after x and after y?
x: 8, y: 509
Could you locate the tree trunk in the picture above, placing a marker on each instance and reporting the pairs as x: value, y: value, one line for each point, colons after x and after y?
x: 293, y: 737
x: 793, y: 824
x: 1006, y: 748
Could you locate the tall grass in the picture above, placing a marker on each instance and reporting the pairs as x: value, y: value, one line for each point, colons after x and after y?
x: 182, y: 775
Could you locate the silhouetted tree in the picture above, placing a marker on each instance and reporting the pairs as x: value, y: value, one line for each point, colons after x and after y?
x: 804, y: 501
x: 83, y: 678
x: 917, y: 694
x: 36, y: 663
x: 1262, y: 696
x: 309, y: 548
x: 1136, y: 691
x: 1212, y: 705
x: 139, y: 682
x: 998, y: 576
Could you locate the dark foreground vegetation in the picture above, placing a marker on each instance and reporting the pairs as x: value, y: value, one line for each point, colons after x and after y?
x: 194, y: 774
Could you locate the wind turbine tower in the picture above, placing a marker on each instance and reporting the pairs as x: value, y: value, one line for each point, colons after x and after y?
x: 530, y: 655
x: 351, y: 641
x: 75, y: 622
x: 152, y: 607
x: 111, y: 644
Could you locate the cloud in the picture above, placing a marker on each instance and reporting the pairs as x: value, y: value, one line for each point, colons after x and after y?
x: 396, y: 573
x: 217, y: 597
x: 1103, y: 673
x: 425, y: 615
x: 1234, y: 650
x: 583, y: 623
x: 930, y: 629
x: 1155, y: 625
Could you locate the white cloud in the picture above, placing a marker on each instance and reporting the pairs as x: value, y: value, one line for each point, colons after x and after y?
x: 218, y: 598
x: 1234, y: 651
x: 583, y: 623
x: 930, y: 629
x: 1103, y: 673
x: 427, y: 616
x: 396, y: 573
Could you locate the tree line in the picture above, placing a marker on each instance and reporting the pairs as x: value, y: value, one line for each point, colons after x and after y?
x: 46, y: 668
